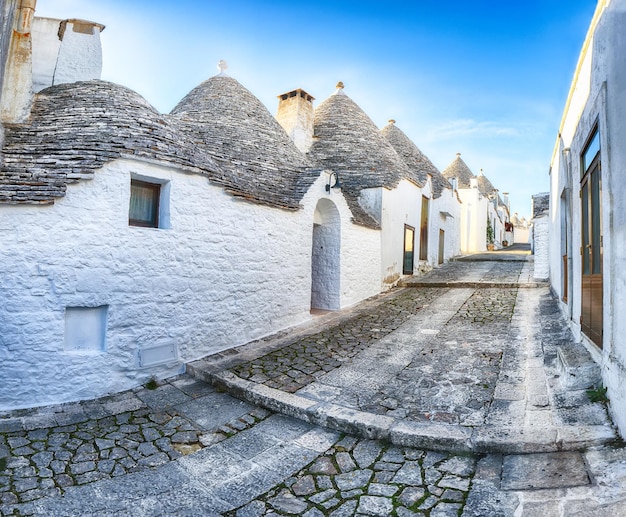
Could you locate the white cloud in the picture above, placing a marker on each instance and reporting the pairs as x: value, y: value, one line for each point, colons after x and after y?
x: 469, y: 127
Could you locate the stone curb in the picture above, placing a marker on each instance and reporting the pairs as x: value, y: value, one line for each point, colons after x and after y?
x: 425, y: 435
x: 474, y: 285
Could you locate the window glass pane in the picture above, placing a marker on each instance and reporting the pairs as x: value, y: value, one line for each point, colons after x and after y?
x: 592, y: 149
x: 144, y: 204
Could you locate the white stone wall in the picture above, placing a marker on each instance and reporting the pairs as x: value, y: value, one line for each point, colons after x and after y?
x: 225, y: 272
x: 521, y: 235
x: 447, y: 203
x: 400, y: 206
x: 597, y: 96
x: 473, y: 220
x: 76, y: 57
x: 541, y: 234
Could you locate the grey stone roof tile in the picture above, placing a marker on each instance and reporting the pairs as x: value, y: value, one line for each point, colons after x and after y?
x: 346, y: 141
x: 459, y: 169
x: 76, y: 128
x: 417, y: 161
x: 235, y: 129
x: 485, y: 187
x: 540, y: 204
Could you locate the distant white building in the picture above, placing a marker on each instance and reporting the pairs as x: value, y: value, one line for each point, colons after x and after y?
x: 587, y: 226
x: 484, y: 216
x: 134, y: 241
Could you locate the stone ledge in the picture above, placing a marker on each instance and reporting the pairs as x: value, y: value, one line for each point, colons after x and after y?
x: 474, y: 285
x: 426, y: 435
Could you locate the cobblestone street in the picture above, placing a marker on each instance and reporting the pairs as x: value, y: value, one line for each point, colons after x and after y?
x: 441, y: 399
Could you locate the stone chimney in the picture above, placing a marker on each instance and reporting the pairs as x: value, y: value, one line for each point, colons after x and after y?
x: 505, y: 200
x: 17, y: 88
x: 295, y: 114
x: 65, y: 51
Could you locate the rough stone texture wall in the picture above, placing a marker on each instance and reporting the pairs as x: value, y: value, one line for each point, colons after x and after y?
x: 80, y: 55
x: 541, y: 237
x: 75, y: 56
x: 46, y: 45
x: 7, y: 13
x: 225, y: 273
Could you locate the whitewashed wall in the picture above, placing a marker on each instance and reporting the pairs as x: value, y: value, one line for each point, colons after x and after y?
x: 541, y: 235
x: 76, y: 57
x: 447, y: 203
x: 400, y: 206
x: 597, y: 96
x: 224, y: 273
x: 473, y: 220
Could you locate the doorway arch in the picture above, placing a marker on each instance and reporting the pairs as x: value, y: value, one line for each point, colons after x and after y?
x: 326, y: 257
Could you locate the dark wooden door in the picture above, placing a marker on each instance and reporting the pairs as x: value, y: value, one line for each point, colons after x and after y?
x: 424, y: 230
x: 442, y: 246
x: 409, y: 246
x: 591, y: 251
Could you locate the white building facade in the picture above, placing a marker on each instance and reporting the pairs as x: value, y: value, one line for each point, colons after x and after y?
x: 587, y: 224
x: 134, y: 241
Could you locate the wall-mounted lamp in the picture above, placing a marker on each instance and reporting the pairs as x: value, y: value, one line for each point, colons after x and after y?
x: 331, y: 183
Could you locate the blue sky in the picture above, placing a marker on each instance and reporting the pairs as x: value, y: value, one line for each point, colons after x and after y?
x: 488, y: 79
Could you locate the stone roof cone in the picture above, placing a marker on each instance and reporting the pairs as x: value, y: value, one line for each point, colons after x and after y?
x: 485, y: 187
x: 239, y: 133
x: 347, y: 142
x: 77, y: 128
x: 459, y: 169
x: 417, y: 161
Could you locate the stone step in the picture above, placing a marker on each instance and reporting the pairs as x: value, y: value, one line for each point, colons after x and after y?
x: 577, y: 369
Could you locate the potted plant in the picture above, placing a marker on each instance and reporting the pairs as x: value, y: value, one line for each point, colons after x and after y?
x: 490, y: 235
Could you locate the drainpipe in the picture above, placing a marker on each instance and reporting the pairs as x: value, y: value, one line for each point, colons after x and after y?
x: 17, y: 90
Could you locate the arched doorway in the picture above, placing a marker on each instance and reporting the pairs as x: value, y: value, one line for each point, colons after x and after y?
x: 325, y: 256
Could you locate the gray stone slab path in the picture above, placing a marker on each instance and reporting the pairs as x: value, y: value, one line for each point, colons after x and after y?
x: 457, y: 368
x: 437, y: 401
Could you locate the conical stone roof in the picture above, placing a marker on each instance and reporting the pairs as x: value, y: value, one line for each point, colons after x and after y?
x: 459, y: 169
x: 417, y: 161
x: 346, y: 141
x: 76, y: 128
x: 259, y: 160
x: 485, y: 187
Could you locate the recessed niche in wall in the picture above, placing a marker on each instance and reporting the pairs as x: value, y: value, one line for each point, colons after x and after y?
x: 158, y: 354
x: 85, y: 329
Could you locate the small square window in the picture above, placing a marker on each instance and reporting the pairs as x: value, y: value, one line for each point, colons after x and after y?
x: 144, y: 204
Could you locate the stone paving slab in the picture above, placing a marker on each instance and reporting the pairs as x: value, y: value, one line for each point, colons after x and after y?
x: 479, y: 365
x: 460, y: 387
x: 275, y: 466
x: 562, y: 484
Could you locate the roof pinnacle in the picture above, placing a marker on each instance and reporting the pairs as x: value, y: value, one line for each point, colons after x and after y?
x: 339, y: 90
x: 222, y: 66
x: 392, y: 121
